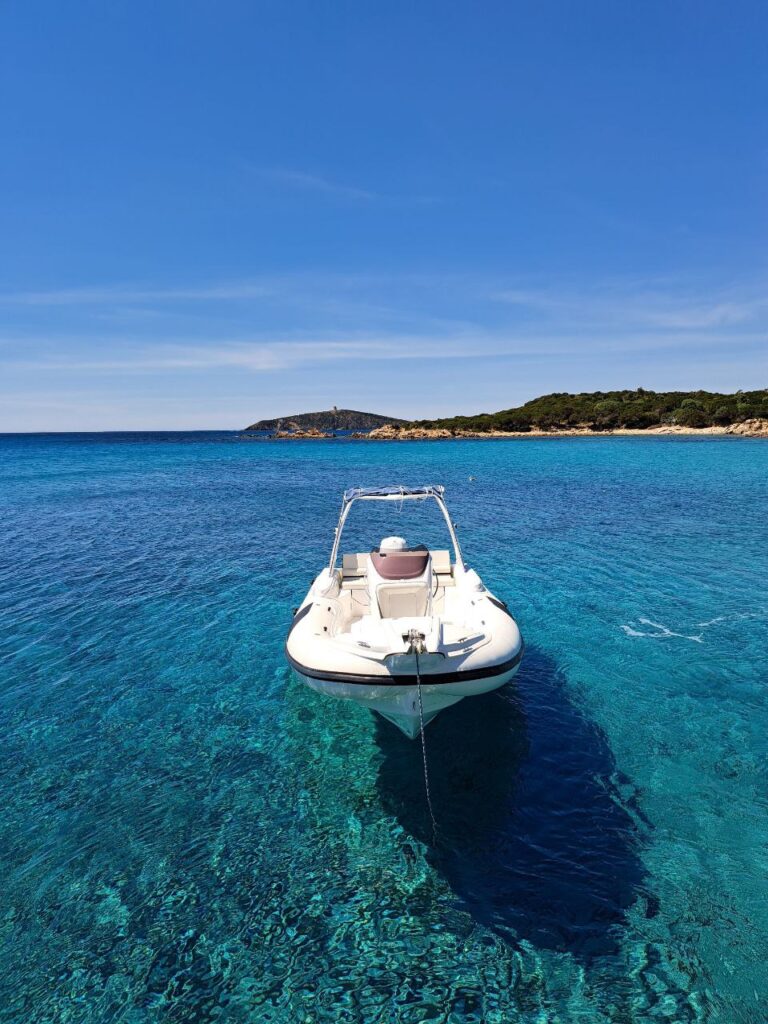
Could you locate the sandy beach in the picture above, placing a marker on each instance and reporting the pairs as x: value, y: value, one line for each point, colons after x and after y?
x: 749, y: 428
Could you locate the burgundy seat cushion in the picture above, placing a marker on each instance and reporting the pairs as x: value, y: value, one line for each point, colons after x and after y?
x: 401, y: 565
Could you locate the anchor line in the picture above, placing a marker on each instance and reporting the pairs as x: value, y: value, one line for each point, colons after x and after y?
x: 417, y: 641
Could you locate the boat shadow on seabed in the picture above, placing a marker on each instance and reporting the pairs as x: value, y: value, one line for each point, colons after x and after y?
x: 536, y: 834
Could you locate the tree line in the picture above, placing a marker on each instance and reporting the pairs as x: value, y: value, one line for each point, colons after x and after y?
x: 610, y: 410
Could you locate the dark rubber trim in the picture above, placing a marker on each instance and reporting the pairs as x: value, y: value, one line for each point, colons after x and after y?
x: 299, y: 616
x: 500, y: 604
x: 428, y: 679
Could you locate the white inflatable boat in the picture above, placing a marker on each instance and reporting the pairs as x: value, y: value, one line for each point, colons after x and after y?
x: 402, y: 630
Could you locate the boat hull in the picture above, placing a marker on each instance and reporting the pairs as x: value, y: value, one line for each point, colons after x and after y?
x: 339, y: 648
x: 399, y: 704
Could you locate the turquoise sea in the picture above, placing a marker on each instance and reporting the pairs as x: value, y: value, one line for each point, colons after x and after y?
x: 189, y: 835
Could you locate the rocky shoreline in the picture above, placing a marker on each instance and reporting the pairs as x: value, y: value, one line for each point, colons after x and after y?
x: 389, y: 432
x: 749, y: 428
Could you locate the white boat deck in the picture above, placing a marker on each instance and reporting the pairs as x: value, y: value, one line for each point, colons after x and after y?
x: 444, y: 627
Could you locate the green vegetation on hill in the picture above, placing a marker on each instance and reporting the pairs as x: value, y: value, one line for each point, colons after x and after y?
x: 609, y: 410
x: 333, y: 419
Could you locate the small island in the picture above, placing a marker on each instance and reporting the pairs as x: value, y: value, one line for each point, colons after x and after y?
x: 324, y: 424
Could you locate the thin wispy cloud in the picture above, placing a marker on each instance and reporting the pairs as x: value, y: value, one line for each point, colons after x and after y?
x: 718, y: 314
x: 89, y: 296
x: 303, y: 181
x: 261, y: 356
x: 256, y: 357
x: 437, y: 343
x: 340, y: 289
x: 639, y: 304
x: 316, y: 183
x: 433, y: 301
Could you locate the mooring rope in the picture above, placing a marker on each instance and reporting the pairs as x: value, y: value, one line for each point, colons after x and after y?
x: 417, y: 642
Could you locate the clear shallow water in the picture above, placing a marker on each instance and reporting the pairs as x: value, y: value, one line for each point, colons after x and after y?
x: 189, y: 835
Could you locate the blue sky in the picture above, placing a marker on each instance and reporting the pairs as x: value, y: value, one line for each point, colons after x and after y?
x: 216, y: 212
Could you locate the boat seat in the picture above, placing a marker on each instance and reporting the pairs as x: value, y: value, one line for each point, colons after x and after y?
x: 354, y: 565
x: 400, y: 583
x: 403, y: 601
x: 441, y: 561
x: 407, y: 564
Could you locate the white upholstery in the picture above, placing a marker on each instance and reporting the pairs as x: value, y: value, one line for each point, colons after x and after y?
x: 441, y: 561
x: 354, y: 565
x: 402, y: 600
